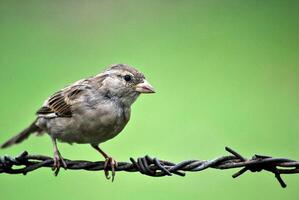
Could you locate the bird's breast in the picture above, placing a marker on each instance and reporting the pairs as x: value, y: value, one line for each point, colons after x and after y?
x: 101, y: 122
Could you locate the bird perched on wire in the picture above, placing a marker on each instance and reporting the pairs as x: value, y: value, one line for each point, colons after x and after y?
x: 90, y: 111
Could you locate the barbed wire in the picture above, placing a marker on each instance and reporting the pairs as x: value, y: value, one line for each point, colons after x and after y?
x: 157, y: 168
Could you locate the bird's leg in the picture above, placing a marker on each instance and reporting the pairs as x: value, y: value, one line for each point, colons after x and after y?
x: 109, y: 161
x: 58, y: 160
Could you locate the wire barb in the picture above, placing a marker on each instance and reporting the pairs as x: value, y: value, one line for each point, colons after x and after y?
x: 25, y: 163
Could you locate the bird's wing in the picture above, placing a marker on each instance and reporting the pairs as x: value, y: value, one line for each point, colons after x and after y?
x: 60, y: 104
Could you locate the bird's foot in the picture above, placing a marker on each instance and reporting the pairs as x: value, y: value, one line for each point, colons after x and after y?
x: 110, y: 163
x: 58, y: 162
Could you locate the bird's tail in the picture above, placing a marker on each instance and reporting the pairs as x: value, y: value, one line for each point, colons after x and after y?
x: 21, y: 136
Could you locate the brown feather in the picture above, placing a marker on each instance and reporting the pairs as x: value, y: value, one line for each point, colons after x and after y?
x: 60, y: 102
x: 57, y: 105
x: 22, y: 136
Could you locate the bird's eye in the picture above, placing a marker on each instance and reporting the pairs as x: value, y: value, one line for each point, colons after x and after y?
x: 128, y: 78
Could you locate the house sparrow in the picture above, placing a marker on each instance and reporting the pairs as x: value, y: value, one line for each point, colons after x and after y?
x: 90, y: 111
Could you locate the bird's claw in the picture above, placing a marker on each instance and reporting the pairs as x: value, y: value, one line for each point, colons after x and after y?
x: 58, y: 162
x: 110, y: 162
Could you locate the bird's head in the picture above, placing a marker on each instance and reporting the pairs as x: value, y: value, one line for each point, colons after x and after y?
x: 125, y: 83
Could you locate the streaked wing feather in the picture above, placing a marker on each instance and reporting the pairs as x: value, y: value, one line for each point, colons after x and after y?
x: 59, y: 103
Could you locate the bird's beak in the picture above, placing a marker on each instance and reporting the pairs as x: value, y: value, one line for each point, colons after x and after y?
x: 144, y: 87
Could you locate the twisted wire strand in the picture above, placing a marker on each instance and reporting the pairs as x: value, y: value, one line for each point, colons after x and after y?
x: 25, y: 163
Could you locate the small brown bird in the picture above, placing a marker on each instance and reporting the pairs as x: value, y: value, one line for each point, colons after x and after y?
x: 90, y: 111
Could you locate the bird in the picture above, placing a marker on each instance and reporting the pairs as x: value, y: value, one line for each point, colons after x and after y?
x: 90, y: 111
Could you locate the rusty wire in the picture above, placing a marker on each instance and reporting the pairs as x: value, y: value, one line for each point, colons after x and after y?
x: 146, y: 165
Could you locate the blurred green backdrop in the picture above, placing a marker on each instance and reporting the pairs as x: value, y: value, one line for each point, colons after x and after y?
x: 226, y: 73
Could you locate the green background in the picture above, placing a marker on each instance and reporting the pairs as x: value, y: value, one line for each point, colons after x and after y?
x: 226, y: 74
